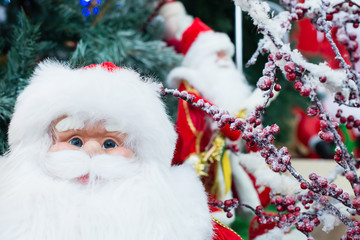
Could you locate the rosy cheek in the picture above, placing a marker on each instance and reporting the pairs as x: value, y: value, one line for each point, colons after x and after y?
x: 60, y: 146
x: 122, y: 151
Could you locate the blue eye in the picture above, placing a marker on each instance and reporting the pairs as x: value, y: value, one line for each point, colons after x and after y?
x: 76, y: 142
x: 109, y: 144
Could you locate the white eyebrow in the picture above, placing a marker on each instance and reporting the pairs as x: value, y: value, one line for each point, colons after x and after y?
x: 69, y: 123
x: 112, y: 126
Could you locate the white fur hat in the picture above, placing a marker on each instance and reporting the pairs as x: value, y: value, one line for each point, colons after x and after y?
x: 119, y: 96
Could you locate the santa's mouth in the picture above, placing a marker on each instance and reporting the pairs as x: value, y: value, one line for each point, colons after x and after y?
x: 83, y: 179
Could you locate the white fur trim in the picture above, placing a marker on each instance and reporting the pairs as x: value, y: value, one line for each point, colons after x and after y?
x: 94, y: 94
x: 243, y: 184
x: 180, y: 74
x: 207, y: 43
x: 172, y: 9
x: 176, y: 19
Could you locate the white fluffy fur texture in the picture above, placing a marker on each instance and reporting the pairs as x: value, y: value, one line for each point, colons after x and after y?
x: 40, y: 200
x: 155, y: 202
x: 207, y: 43
x: 94, y: 94
x: 179, y: 74
x: 176, y: 19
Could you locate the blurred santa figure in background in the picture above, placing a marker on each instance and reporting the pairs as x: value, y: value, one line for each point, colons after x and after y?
x: 208, y: 72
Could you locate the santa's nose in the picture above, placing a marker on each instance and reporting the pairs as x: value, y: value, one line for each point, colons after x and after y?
x: 221, y: 56
x: 92, y: 148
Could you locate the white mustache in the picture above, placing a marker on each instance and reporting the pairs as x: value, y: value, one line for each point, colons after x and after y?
x: 71, y: 164
x: 223, y: 63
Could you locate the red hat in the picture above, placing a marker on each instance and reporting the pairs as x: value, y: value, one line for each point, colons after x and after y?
x: 190, y: 34
x: 106, y: 65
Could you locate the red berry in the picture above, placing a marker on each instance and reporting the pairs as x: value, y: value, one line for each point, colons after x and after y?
x: 279, y: 208
x: 309, y: 228
x: 352, y: 36
x: 356, y: 123
x: 305, y: 91
x: 350, y: 118
x: 312, y: 111
x: 291, y: 208
x: 298, y: 85
x: 257, y: 122
x: 229, y: 214
x: 322, y: 79
x: 277, y: 87
x: 228, y: 203
x: 259, y: 209
x: 313, y: 176
x: 350, y: 176
x: 286, y: 159
x: 261, y: 220
x: 328, y: 137
x: 291, y: 76
x: 264, y: 83
x: 322, y: 181
x: 349, y: 125
x: 345, y: 196
x: 356, y: 202
x: 338, y: 151
x: 304, y: 185
x: 329, y: 17
x: 275, y: 129
x: 355, y: 25
x: 343, y: 119
x: 278, y: 200
x: 287, y: 56
x: 301, y: 68
x: 289, y: 67
x: 278, y: 56
x: 324, y: 124
x: 316, y: 221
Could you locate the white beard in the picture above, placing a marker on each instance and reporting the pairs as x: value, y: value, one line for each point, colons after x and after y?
x: 145, y: 202
x: 222, y: 84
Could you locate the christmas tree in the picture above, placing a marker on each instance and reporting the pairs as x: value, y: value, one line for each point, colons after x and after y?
x: 81, y: 33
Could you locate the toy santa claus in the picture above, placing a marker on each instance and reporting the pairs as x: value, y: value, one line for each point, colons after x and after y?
x: 90, y: 158
x: 208, y: 72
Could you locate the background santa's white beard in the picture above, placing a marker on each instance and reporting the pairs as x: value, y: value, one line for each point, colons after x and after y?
x: 154, y: 202
x: 222, y: 84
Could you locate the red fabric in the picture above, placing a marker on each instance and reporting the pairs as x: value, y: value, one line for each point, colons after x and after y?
x: 175, y: 43
x: 224, y: 233
x: 256, y: 229
x: 307, y: 128
x: 107, y: 65
x: 309, y: 44
x: 187, y: 139
x: 262, y: 191
x: 230, y: 134
x: 191, y: 33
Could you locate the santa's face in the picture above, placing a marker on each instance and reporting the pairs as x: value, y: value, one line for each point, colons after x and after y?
x: 90, y: 150
x: 221, y: 83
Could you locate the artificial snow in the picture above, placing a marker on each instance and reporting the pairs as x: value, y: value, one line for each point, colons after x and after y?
x: 279, y: 183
